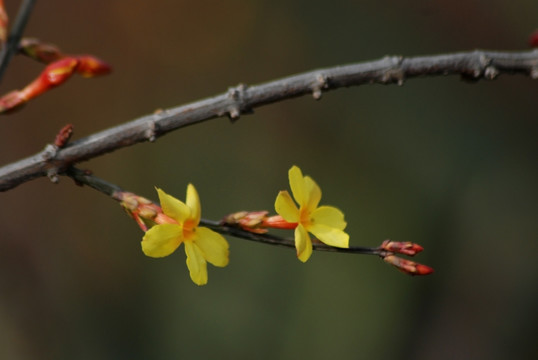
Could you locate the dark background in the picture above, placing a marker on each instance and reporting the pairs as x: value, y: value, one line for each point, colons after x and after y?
x: 441, y: 162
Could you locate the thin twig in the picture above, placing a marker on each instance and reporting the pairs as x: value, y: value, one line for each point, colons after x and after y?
x: 82, y: 177
x: 15, y: 35
x: 242, y: 99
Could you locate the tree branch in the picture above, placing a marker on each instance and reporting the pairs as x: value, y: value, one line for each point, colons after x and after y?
x: 11, y: 47
x: 239, y: 100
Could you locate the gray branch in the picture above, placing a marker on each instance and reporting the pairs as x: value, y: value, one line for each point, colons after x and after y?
x: 243, y: 99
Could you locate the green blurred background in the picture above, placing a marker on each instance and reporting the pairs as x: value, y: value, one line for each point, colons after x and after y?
x: 444, y: 163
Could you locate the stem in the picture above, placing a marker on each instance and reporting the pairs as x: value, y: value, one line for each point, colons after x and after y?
x: 242, y: 99
x: 85, y: 178
x: 15, y: 35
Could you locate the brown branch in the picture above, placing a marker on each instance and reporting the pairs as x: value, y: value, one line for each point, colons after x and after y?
x: 242, y: 99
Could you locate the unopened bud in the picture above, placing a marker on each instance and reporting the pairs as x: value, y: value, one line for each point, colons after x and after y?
x: 90, y: 66
x: 250, y: 221
x: 40, y: 51
x: 278, y: 222
x: 406, y: 248
x: 407, y: 266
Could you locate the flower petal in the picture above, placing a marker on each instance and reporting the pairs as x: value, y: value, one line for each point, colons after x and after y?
x: 196, y: 263
x: 297, y: 185
x: 193, y: 202
x: 162, y: 240
x: 329, y: 235
x: 285, y: 207
x: 213, y: 246
x: 330, y: 216
x: 303, y: 244
x: 313, y: 193
x: 172, y: 207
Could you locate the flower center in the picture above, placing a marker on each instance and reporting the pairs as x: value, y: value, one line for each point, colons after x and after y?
x: 189, y: 227
x: 304, y: 216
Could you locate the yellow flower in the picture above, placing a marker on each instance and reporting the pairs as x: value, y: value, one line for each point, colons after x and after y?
x: 180, y: 225
x: 325, y: 222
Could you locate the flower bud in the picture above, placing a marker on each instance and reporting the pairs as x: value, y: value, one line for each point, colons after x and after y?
x: 407, y: 266
x: 40, y: 51
x: 406, y: 248
x: 90, y: 66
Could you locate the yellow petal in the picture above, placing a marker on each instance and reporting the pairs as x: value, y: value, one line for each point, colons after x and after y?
x: 303, y: 244
x: 313, y: 194
x: 297, y: 185
x: 285, y: 207
x: 213, y: 245
x: 330, y: 216
x: 196, y: 263
x: 162, y: 240
x: 329, y: 235
x: 172, y: 207
x: 193, y: 202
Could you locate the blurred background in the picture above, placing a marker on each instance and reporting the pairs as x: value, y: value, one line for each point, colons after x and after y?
x: 440, y: 162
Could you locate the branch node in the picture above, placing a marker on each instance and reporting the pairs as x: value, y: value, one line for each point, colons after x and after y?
x: 491, y: 72
x: 237, y: 95
x: 320, y: 84
x: 52, y: 174
x: 395, y: 73
x: 49, y: 152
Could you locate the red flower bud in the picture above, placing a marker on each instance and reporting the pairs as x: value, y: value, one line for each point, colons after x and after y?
x: 407, y: 266
x: 90, y: 66
x: 63, y: 136
x: 406, y: 248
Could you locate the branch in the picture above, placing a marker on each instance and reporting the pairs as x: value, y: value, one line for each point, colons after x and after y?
x: 82, y: 177
x: 15, y: 34
x: 239, y: 100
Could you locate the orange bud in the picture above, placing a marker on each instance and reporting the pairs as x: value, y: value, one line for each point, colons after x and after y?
x: 90, y: 66
x: 407, y: 266
x: 54, y: 74
x: 278, y: 222
x: 406, y: 248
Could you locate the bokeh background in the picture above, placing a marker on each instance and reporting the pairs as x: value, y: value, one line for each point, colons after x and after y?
x: 441, y: 162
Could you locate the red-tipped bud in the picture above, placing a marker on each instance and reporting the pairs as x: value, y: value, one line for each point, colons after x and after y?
x: 40, y: 51
x: 533, y: 39
x: 90, y: 66
x: 3, y: 22
x: 406, y: 248
x: 407, y: 266
x: 278, y: 222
